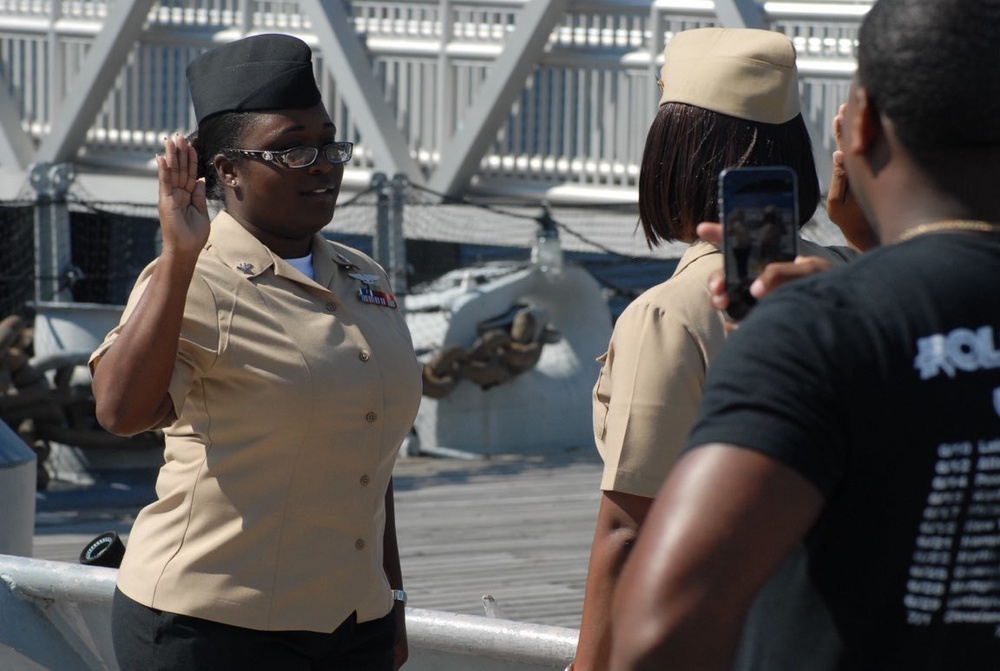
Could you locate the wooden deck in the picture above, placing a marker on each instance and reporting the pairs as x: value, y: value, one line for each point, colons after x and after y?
x: 515, y: 527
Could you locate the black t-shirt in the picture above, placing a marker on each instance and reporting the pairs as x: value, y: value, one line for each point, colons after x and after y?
x: 880, y: 383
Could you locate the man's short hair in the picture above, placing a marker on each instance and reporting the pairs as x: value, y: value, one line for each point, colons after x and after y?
x: 933, y: 68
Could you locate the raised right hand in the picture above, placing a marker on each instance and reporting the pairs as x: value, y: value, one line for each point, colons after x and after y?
x: 184, y: 220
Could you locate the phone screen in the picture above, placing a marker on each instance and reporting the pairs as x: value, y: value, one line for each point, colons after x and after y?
x: 759, y: 212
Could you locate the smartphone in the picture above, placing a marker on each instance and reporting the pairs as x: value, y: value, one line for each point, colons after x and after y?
x: 758, y: 208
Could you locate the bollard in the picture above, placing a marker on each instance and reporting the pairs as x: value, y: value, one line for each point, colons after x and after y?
x: 18, y: 475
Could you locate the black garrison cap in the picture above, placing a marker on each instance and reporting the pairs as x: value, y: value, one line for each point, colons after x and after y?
x: 262, y: 72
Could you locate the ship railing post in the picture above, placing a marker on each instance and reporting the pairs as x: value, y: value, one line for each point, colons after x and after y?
x: 53, y: 259
x: 397, y: 240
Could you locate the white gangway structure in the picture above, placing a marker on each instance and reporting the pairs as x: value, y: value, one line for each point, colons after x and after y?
x: 543, y: 98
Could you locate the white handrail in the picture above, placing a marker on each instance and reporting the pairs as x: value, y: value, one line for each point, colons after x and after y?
x: 61, y: 611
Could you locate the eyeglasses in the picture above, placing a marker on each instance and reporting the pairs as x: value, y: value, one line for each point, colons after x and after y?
x: 302, y: 157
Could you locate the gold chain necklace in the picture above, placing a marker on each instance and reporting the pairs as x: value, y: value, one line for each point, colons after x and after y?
x: 955, y: 225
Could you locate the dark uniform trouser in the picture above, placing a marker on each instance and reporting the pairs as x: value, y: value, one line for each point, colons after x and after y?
x: 146, y: 639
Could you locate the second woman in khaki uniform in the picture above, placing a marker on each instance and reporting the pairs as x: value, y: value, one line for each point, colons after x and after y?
x: 729, y: 98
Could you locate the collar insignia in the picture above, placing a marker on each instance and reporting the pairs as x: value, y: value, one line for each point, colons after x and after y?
x: 344, y: 261
x: 365, y: 278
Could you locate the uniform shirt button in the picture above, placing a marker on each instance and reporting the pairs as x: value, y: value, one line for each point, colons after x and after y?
x: 331, y: 307
x: 359, y: 544
x: 371, y: 417
x: 365, y: 480
x: 364, y: 355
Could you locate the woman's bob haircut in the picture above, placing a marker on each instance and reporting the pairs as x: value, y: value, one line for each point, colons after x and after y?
x: 686, y: 149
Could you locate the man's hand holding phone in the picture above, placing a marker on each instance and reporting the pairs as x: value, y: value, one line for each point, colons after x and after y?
x: 773, y: 276
x: 758, y: 235
x: 758, y: 206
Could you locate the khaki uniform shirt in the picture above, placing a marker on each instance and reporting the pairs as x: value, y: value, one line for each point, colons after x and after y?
x: 292, y: 397
x: 650, y: 384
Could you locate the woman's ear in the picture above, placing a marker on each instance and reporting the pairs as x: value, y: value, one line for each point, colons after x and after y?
x: 225, y: 169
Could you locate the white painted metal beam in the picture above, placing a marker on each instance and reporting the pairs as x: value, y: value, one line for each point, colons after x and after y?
x: 16, y: 148
x: 461, y: 155
x: 104, y: 60
x: 739, y: 14
x: 348, y: 63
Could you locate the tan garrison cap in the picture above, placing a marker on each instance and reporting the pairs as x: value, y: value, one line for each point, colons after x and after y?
x: 745, y: 73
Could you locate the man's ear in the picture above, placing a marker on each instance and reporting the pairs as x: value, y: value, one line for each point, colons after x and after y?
x: 865, y: 123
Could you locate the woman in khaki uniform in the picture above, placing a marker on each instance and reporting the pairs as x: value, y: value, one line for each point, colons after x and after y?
x: 729, y: 98
x: 283, y: 375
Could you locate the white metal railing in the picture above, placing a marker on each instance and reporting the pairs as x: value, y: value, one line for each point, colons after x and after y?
x: 580, y: 120
x: 57, y: 615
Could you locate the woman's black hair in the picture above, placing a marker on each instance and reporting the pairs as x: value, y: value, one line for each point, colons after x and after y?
x: 686, y: 149
x: 215, y: 134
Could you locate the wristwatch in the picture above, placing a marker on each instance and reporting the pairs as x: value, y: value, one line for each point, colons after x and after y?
x: 399, y: 595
